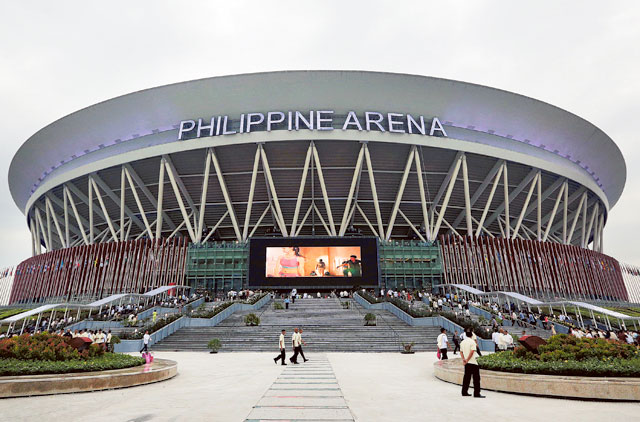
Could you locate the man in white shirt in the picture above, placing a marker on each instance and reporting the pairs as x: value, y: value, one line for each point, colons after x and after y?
x: 471, y: 369
x: 443, y: 344
x: 300, y: 344
x: 281, y: 356
x: 145, y: 342
x: 295, y: 342
x: 495, y: 337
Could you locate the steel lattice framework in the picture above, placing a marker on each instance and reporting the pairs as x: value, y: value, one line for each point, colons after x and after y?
x: 318, y: 187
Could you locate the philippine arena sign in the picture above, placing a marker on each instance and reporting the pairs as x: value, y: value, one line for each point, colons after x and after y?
x: 321, y: 120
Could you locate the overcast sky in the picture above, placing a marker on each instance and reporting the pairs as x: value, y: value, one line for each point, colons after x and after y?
x: 583, y: 56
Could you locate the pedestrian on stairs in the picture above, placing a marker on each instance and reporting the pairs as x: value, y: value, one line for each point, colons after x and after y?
x: 286, y: 302
x: 301, y: 343
x: 282, y: 354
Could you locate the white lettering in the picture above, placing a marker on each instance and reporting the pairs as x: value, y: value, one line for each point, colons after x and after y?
x: 307, y: 123
x: 352, y: 119
x: 219, y: 126
x: 201, y: 127
x: 320, y: 120
x: 224, y: 127
x: 437, y: 126
x: 393, y: 123
x: 412, y: 121
x: 184, y: 128
x: 290, y: 122
x: 242, y: 123
x: 271, y: 121
x: 368, y: 119
x: 251, y: 122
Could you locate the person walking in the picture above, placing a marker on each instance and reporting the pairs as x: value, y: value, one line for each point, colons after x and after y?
x: 301, y: 343
x: 443, y: 344
x: 282, y: 354
x: 456, y: 342
x: 471, y: 368
x: 295, y: 342
x: 286, y: 302
x: 145, y: 342
x: 155, y: 316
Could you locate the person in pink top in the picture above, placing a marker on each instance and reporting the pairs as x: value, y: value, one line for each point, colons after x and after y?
x: 290, y: 263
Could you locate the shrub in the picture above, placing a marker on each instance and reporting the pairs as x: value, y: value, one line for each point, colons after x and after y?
x: 44, y: 346
x: 255, y: 298
x: 252, y: 319
x: 214, y: 344
x: 370, y: 319
x: 107, y: 361
x: 211, y: 313
x: 278, y: 305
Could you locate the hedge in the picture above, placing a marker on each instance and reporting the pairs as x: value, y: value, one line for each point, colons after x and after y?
x: 593, y: 367
x: 102, y: 363
x: 568, y: 355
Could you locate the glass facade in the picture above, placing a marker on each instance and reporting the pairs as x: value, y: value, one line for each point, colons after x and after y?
x: 409, y: 265
x: 219, y: 267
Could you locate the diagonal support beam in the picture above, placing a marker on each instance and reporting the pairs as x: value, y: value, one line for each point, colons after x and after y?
x: 156, y: 203
x: 497, y: 167
x: 403, y: 183
x: 112, y: 226
x: 143, y: 214
x: 252, y: 189
x: 323, y: 188
x: 445, y: 202
x: 274, y: 194
x: 374, y: 192
x: 352, y: 189
x: 225, y: 193
x: 105, y: 188
x: 178, y: 195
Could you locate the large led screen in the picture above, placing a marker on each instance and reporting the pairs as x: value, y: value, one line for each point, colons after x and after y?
x: 313, y: 261
x: 307, y: 262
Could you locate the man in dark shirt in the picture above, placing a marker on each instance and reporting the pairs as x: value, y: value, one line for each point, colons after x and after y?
x: 352, y: 267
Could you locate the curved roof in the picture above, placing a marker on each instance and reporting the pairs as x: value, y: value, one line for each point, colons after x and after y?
x: 150, y: 117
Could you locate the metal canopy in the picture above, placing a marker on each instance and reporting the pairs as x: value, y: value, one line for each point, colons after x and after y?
x: 29, y: 313
x: 107, y: 300
x: 536, y: 302
x: 464, y: 287
x: 160, y: 290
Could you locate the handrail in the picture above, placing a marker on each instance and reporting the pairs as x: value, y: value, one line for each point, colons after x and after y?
x: 397, y: 336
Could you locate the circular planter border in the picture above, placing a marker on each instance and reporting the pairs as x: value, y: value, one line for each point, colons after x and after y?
x: 38, y: 385
x: 561, y: 386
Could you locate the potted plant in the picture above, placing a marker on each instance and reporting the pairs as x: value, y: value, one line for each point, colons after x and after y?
x: 278, y: 306
x: 370, y: 319
x: 345, y: 305
x: 214, y: 345
x: 252, y: 320
x: 408, y: 348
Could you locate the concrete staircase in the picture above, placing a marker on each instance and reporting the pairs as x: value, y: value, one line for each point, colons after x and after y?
x: 327, y: 328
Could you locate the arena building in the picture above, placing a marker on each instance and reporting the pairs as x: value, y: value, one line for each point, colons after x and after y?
x: 276, y: 179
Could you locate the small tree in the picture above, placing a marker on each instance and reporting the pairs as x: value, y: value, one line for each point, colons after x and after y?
x: 252, y: 319
x: 370, y: 319
x: 214, y: 345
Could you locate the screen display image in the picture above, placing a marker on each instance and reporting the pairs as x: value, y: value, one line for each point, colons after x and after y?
x: 313, y: 261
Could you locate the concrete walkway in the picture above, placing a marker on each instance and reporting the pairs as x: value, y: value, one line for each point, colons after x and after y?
x: 370, y: 387
x: 307, y: 391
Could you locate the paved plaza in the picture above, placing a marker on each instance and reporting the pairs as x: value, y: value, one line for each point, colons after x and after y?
x: 333, y: 386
